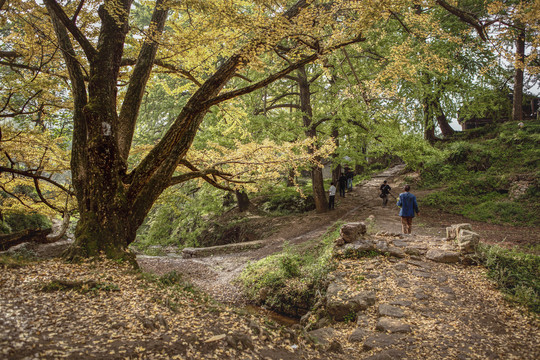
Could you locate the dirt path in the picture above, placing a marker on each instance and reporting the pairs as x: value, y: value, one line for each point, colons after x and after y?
x: 215, y: 274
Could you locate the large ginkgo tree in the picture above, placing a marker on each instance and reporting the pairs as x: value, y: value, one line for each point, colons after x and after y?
x: 106, y: 60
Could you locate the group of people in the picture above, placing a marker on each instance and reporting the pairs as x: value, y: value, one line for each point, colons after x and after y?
x: 406, y: 201
x: 345, y: 182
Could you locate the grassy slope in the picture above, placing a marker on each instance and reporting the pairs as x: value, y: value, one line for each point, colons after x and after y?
x: 479, y: 171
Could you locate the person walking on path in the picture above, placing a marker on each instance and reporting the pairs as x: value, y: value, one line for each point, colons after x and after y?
x: 342, y: 181
x: 331, y: 196
x: 409, y: 207
x: 349, y: 175
x: 385, y: 190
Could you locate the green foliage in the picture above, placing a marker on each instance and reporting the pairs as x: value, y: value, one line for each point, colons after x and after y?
x: 288, y: 281
x: 284, y: 200
x: 15, y: 222
x: 516, y: 273
x: 475, y: 174
x: 178, y: 219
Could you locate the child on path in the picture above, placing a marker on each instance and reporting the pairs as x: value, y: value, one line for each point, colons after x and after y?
x: 409, y: 207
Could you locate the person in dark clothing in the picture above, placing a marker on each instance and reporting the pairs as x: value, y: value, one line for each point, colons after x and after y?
x: 349, y: 175
x: 385, y: 190
x: 409, y: 207
x: 342, y: 184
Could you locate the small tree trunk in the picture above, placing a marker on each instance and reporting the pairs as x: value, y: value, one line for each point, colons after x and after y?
x: 242, y: 200
x: 336, y: 172
x: 319, y: 195
x: 446, y: 129
x: 290, y: 178
x: 517, y: 108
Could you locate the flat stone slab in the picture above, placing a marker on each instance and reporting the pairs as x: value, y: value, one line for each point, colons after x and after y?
x: 389, y: 310
x: 423, y: 274
x: 421, y: 264
x: 358, y: 335
x: 222, y: 249
x: 322, y: 336
x: 442, y: 256
x: 392, y: 325
x: 381, y: 341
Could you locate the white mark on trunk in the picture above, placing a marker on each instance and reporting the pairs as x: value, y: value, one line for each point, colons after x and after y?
x: 106, y: 128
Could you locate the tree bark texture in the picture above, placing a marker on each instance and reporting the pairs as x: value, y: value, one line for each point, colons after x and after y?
x: 242, y: 200
x: 517, y: 105
x: 113, y: 203
x: 319, y: 195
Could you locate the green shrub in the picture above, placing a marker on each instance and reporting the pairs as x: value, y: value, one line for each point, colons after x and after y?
x: 19, y: 221
x: 516, y: 273
x: 288, y: 201
x: 288, y: 281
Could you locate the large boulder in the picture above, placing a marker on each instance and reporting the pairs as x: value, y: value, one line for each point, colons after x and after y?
x: 452, y: 232
x: 352, y: 231
x: 467, y: 241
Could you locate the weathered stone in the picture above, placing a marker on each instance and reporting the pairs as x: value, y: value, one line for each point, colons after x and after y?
x: 339, y: 241
x: 392, y: 325
x: 362, y: 321
x: 403, y: 283
x: 442, y: 256
x: 452, y: 232
x: 239, y: 341
x: 405, y: 303
x: 321, y: 336
x: 323, y: 322
x: 358, y: 335
x: 381, y: 341
x: 421, y: 274
x: 352, y: 231
x: 339, y: 303
x: 420, y: 295
x: 419, y: 263
x: 467, y: 241
x: 400, y: 266
x: 382, y: 246
x: 360, y: 245
x: 389, y: 310
x: 335, y: 347
x: 400, y: 243
x: 396, y: 252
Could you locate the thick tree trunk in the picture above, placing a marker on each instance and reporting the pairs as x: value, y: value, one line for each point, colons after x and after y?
x: 319, y: 195
x: 517, y: 106
x: 113, y: 203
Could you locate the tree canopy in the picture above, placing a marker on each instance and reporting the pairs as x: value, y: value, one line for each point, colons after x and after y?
x: 141, y: 92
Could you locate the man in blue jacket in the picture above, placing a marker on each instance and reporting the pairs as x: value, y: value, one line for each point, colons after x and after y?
x: 409, y: 207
